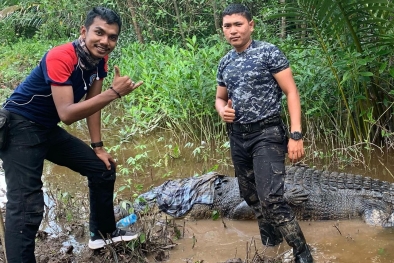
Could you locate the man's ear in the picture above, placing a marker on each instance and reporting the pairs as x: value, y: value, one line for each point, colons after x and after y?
x: 82, y: 31
x: 251, y: 24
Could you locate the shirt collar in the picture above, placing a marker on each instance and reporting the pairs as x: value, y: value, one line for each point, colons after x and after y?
x: 251, y: 45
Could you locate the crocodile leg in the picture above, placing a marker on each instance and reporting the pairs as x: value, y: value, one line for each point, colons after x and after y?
x: 293, y: 235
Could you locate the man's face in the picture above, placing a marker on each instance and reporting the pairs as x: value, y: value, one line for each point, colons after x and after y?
x: 237, y: 30
x: 100, y: 38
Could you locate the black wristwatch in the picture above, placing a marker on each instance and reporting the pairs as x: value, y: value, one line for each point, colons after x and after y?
x: 296, y: 135
x: 97, y: 144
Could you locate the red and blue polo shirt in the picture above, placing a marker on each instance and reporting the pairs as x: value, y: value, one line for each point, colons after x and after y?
x: 59, y: 66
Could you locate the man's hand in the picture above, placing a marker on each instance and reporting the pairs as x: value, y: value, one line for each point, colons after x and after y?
x: 124, y: 85
x: 228, y: 113
x: 295, y: 150
x: 105, y: 157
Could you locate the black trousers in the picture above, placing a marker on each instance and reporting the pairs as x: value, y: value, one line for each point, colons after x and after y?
x: 259, y: 162
x: 29, y: 144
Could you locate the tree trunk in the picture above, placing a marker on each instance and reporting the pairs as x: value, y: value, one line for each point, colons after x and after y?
x: 303, y: 26
x: 216, y: 17
x: 179, y: 21
x: 283, y: 23
x: 137, y: 28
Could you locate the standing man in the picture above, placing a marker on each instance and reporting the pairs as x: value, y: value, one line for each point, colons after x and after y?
x: 251, y: 79
x: 51, y: 93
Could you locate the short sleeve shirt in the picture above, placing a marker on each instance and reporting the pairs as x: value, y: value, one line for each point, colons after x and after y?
x: 248, y: 77
x: 59, y: 66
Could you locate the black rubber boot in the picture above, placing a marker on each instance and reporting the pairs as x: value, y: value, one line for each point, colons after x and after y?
x: 293, y: 235
x: 270, y: 235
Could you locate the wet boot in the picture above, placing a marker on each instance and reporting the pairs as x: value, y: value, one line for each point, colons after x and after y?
x: 270, y: 235
x: 293, y: 235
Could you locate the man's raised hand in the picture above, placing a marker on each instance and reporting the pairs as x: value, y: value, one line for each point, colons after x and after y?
x: 123, y: 84
x: 228, y: 113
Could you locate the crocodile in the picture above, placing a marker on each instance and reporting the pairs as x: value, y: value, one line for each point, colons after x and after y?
x: 313, y: 194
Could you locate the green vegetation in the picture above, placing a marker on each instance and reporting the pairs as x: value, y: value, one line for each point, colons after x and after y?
x: 353, y: 39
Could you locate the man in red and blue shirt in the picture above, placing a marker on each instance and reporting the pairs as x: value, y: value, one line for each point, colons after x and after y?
x: 53, y: 92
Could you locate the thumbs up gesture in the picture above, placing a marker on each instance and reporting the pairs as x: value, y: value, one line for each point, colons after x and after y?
x: 229, y: 104
x: 123, y: 84
x: 228, y: 113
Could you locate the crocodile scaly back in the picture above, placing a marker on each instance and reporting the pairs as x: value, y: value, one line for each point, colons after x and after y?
x: 333, y: 195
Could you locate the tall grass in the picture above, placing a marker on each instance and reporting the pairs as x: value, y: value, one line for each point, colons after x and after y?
x: 179, y: 89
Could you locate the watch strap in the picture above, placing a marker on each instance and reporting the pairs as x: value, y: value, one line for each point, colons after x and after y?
x: 97, y: 144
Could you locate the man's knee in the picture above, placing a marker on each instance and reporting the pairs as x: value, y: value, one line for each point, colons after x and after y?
x: 104, y: 176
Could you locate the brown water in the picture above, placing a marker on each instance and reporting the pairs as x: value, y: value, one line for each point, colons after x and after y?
x: 356, y: 243
x: 349, y: 241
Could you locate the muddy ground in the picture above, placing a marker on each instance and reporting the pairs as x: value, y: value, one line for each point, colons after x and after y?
x: 157, y: 238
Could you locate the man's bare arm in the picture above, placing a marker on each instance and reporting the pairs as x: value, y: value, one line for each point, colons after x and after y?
x: 70, y: 112
x: 287, y: 84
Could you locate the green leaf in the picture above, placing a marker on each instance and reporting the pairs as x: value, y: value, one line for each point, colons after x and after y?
x: 391, y: 71
x: 383, y: 67
x: 122, y: 188
x: 215, y: 215
x: 346, y: 76
x: 366, y: 74
x: 142, y: 238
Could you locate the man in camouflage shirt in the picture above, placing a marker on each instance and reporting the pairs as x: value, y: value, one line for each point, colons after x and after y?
x: 251, y: 80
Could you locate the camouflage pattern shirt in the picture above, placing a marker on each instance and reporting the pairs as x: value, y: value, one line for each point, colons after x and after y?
x: 248, y: 77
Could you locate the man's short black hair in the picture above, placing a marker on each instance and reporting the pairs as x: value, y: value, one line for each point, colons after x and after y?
x: 237, y: 9
x: 108, y: 15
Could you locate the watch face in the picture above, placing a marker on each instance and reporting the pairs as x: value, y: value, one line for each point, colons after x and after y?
x: 296, y: 135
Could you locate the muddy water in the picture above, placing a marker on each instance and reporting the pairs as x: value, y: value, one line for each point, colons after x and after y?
x: 332, y: 241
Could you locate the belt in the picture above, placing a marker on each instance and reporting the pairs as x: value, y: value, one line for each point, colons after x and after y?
x: 255, y: 126
x: 15, y: 116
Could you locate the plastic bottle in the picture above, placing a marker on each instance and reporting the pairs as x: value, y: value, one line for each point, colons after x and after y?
x: 127, y: 221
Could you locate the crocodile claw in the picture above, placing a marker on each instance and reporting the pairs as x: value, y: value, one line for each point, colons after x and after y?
x: 296, y: 196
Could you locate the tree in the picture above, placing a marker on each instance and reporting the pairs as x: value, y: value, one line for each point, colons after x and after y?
x: 355, y: 38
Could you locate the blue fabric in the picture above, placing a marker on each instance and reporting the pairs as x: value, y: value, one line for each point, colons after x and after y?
x: 177, y: 197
